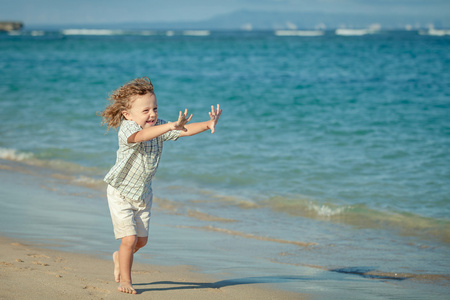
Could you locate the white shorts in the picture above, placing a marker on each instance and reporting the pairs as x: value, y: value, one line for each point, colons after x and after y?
x: 129, y: 217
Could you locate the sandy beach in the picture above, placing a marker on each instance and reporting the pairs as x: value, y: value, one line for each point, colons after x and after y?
x: 30, y: 272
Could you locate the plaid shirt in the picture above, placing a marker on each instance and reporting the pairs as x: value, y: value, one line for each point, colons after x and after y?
x: 137, y: 162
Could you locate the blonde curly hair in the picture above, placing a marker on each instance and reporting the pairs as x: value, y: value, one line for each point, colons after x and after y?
x: 122, y: 98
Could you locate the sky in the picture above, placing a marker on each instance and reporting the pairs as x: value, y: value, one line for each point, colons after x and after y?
x: 55, y: 12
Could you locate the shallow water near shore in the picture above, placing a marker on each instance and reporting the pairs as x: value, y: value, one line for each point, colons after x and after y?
x: 331, y: 155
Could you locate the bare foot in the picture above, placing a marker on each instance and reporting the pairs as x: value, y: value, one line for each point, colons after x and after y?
x: 116, y: 266
x: 126, y: 287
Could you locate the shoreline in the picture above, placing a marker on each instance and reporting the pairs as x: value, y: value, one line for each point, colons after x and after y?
x: 61, y: 246
x: 31, y: 272
x: 56, y: 233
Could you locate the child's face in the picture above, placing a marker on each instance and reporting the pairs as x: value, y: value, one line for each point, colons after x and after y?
x: 144, y: 110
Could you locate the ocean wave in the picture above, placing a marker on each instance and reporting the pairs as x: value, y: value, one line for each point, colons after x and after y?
x: 15, y: 155
x: 434, y: 32
x: 77, y: 173
x: 359, y: 216
x: 299, y: 32
x: 196, y: 32
x: 302, y: 206
x: 92, y: 32
x: 89, y: 181
x: 362, y: 216
x: 114, y: 32
x: 325, y: 211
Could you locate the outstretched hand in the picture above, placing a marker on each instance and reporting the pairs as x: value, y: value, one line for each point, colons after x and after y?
x: 182, y: 120
x: 214, y: 115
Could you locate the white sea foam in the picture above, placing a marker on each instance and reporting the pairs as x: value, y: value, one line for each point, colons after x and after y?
x: 299, y: 32
x: 197, y: 32
x: 325, y: 211
x: 14, y: 155
x: 30, y: 159
x: 352, y: 32
x: 435, y: 32
x: 92, y: 32
x: 374, y: 28
x: 88, y: 181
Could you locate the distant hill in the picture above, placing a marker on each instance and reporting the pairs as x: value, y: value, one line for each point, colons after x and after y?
x: 265, y: 20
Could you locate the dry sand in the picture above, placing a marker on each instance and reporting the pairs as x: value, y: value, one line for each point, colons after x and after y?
x: 30, y: 272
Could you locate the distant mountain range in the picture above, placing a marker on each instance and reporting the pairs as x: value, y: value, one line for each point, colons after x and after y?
x: 265, y: 20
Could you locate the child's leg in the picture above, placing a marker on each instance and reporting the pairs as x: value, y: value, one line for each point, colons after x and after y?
x: 126, y: 251
x: 116, y: 266
x: 141, y: 242
x: 130, y: 218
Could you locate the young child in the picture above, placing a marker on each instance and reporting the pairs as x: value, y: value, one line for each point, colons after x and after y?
x: 133, y: 107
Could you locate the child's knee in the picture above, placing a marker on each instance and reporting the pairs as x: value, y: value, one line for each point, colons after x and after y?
x: 129, y: 241
x: 141, y: 242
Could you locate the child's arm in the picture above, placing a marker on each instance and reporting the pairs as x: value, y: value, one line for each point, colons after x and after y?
x: 195, y: 128
x: 150, y: 133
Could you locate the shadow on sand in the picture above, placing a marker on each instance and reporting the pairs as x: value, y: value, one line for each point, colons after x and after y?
x: 366, y: 272
x: 175, y: 285
x: 371, y: 273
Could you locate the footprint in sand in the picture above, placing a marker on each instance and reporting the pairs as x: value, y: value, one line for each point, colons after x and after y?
x: 6, y: 264
x: 59, y: 260
x: 40, y: 263
x: 94, y: 288
x: 38, y: 255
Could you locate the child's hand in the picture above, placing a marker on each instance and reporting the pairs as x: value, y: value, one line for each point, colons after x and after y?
x: 214, y: 114
x: 182, y: 120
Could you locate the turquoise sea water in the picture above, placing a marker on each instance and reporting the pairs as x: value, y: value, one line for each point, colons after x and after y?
x: 331, y: 140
